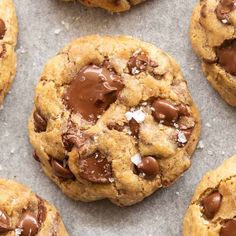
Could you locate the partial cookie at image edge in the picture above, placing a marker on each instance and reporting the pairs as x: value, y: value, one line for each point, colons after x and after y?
x: 212, y: 210
x: 208, y: 34
x: 8, y: 40
x: 25, y: 213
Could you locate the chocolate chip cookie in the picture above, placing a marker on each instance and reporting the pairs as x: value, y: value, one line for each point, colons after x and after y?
x: 23, y: 213
x: 110, y: 5
x: 113, y: 118
x: 212, y: 33
x: 8, y: 38
x: 213, y: 210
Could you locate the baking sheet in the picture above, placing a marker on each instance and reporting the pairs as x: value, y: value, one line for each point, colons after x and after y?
x: 45, y: 27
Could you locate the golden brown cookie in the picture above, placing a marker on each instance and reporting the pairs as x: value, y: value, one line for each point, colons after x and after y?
x: 212, y: 33
x: 23, y: 213
x: 113, y: 118
x: 110, y: 5
x: 213, y: 210
x: 8, y: 38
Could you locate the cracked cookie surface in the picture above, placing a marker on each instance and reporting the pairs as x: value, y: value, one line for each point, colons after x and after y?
x: 213, y: 37
x: 110, y: 5
x: 213, y: 210
x: 23, y: 213
x: 113, y: 119
x: 8, y: 39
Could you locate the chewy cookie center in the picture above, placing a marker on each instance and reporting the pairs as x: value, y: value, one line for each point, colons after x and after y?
x: 93, y: 90
x: 2, y: 29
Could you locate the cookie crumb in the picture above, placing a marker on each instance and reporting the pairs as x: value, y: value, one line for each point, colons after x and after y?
x: 57, y: 31
x: 210, y: 152
x: 208, y: 125
x: 21, y: 50
x: 65, y: 24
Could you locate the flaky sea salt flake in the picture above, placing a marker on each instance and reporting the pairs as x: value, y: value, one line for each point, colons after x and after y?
x: 139, y: 116
x: 224, y: 21
x: 129, y: 115
x: 200, y: 145
x: 111, y: 180
x: 182, y: 138
x: 136, y: 159
x: 18, y: 231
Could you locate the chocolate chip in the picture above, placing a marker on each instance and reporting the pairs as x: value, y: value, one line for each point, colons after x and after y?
x: 183, y: 110
x: 137, y: 63
x: 223, y: 10
x: 2, y: 29
x: 115, y: 126
x: 165, y: 112
x: 28, y: 223
x: 61, y: 170
x: 72, y: 136
x: 95, y: 168
x: 211, y: 204
x: 40, y: 123
x: 69, y: 136
x: 36, y: 157
x: 106, y: 63
x: 149, y: 166
x: 228, y: 228
x: 203, y: 11
x: 226, y: 54
x: 42, y: 211
x: 134, y: 127
x: 4, y: 222
x: 92, y: 92
x: 3, y: 50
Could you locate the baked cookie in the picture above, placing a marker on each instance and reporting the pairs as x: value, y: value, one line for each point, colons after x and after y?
x: 113, y: 119
x: 110, y: 5
x: 8, y: 38
x: 23, y: 213
x: 212, y: 33
x: 212, y: 211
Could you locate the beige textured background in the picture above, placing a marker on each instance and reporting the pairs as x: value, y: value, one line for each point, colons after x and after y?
x: 45, y: 27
